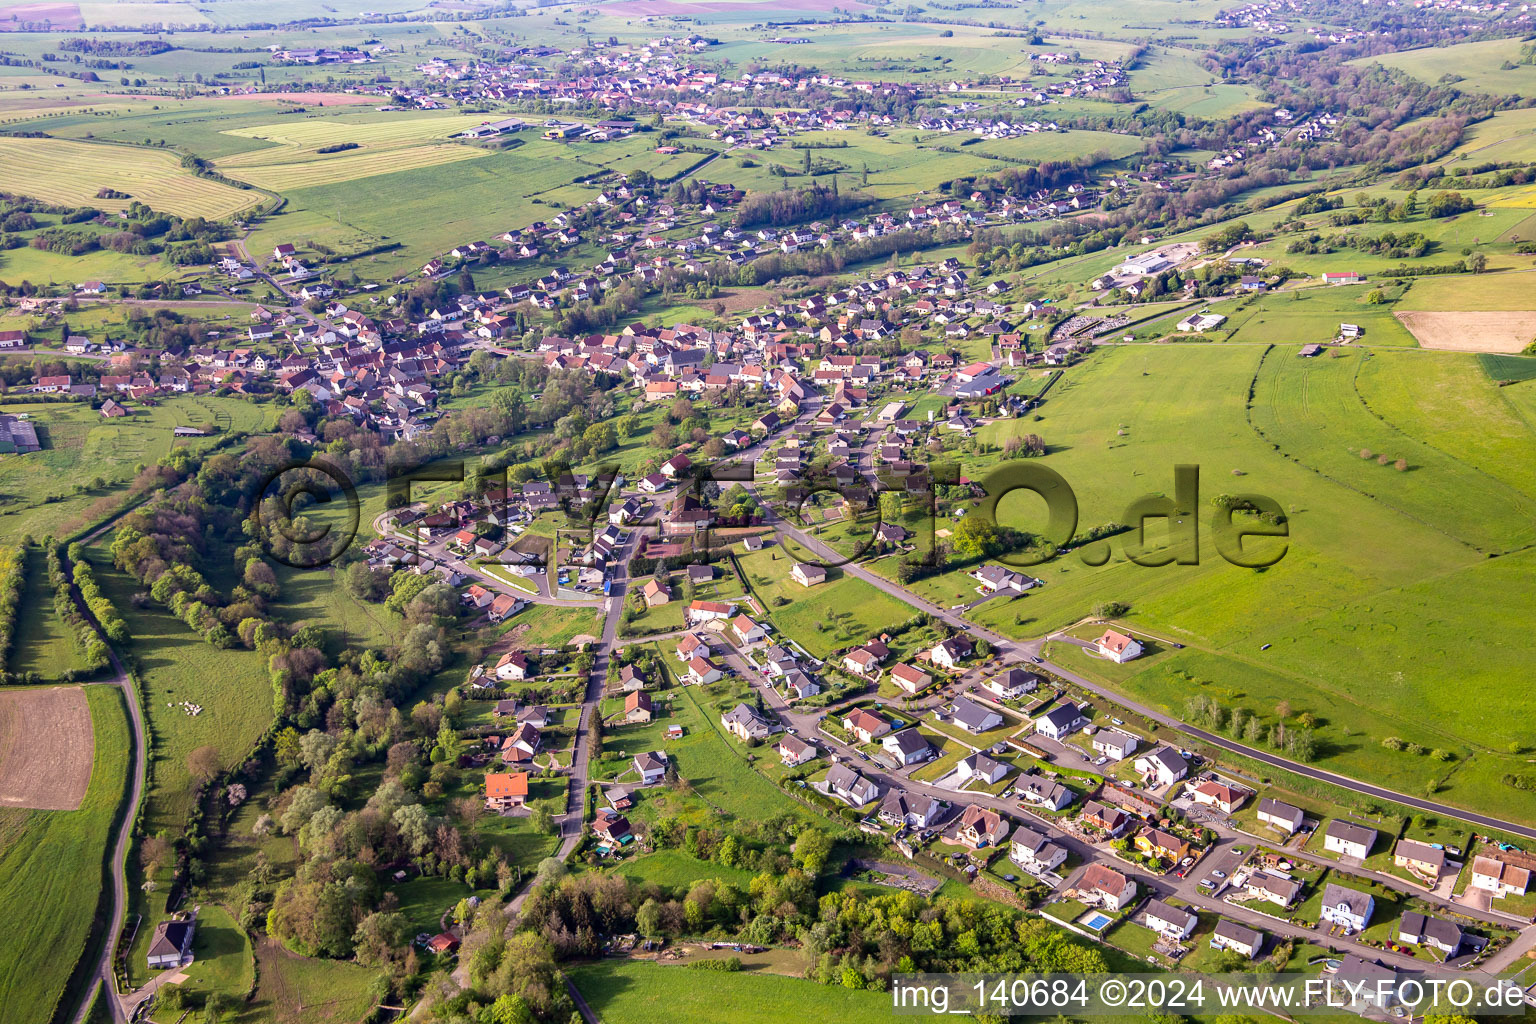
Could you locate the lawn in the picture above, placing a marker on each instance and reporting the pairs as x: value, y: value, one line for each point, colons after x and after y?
x: 675, y: 869
x: 297, y: 990
x: 544, y: 625
x: 641, y: 993
x: 843, y: 612
x: 56, y: 860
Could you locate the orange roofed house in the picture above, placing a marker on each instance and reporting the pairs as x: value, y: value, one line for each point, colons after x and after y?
x: 506, y: 790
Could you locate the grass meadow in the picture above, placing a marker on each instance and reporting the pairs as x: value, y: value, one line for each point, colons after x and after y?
x: 842, y: 612
x: 638, y: 993
x: 52, y: 873
x: 1385, y: 572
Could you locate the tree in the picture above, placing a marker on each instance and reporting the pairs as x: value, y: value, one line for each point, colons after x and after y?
x: 648, y: 919
x: 812, y: 848
x: 203, y: 764
x: 975, y: 537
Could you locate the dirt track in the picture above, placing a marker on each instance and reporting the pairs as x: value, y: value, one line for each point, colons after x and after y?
x: 1508, y: 331
x: 46, y: 748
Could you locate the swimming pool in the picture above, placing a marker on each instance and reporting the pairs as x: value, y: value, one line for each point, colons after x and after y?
x: 1097, y: 921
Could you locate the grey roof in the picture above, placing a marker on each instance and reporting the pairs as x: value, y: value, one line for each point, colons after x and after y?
x: 1349, y: 832
x: 1171, y: 914
x: 848, y: 780
x: 981, y: 764
x: 1443, y: 932
x: 1061, y: 716
x: 908, y: 741
x: 1169, y: 759
x: 1239, y: 933
x: 1286, y: 888
x: 1360, y: 904
x: 972, y: 716
x: 900, y: 804
x: 1276, y: 808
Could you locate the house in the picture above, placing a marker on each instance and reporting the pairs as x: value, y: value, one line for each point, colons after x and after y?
x: 524, y: 742
x: 1154, y: 842
x: 901, y: 809
x: 702, y: 671
x: 1422, y: 859
x: 1116, y: 746
x: 1272, y: 888
x: 1117, y: 647
x: 952, y: 652
x: 504, y: 708
x: 443, y: 943
x: 637, y: 707
x: 171, y: 944
x: 847, y: 785
x: 981, y: 827
x: 505, y: 790
x: 1013, y: 684
x: 1347, y: 908
x: 1042, y: 792
x: 503, y: 605
x: 907, y: 747
x: 1280, y: 815
x: 1240, y: 939
x: 909, y: 678
x: 1203, y: 321
x: 611, y: 826
x: 1161, y: 767
x: 747, y: 723
x: 978, y: 767
x: 1363, y: 986
x: 792, y: 750
x: 1061, y: 721
x: 477, y: 596
x: 865, y: 725
x: 996, y: 579
x: 655, y: 593
x: 651, y: 767
x: 512, y: 665
x: 1108, y: 887
x: 1219, y: 795
x: 747, y: 631
x: 1035, y: 853
x: 973, y: 717
x: 691, y: 646
x: 112, y: 410
x: 1498, y: 877
x: 1111, y: 820
x: 866, y: 660
x: 631, y: 678
x: 1169, y: 921
x: 808, y: 575
x: 1342, y: 277
x: 1434, y: 932
x: 709, y: 611
x: 1348, y: 839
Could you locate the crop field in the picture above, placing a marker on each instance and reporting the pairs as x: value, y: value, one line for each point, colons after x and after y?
x: 1505, y: 332
x: 1508, y: 367
x: 55, y: 860
x: 1213, y: 102
x: 1476, y: 293
x: 175, y: 664
x: 71, y: 173
x: 640, y: 993
x: 1474, y: 67
x: 385, y: 146
x: 1306, y: 315
x: 45, y: 748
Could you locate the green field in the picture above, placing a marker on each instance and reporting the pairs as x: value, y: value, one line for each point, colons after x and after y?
x: 1383, y: 571
x: 640, y: 993
x: 1472, y: 67
x: 55, y: 860
x: 843, y: 612
x: 42, y: 644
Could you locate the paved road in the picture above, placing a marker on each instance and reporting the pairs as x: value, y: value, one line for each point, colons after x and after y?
x: 103, y: 974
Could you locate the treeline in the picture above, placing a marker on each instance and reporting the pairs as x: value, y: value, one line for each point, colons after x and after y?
x: 98, y: 603
x: 13, y: 576
x: 89, y: 644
